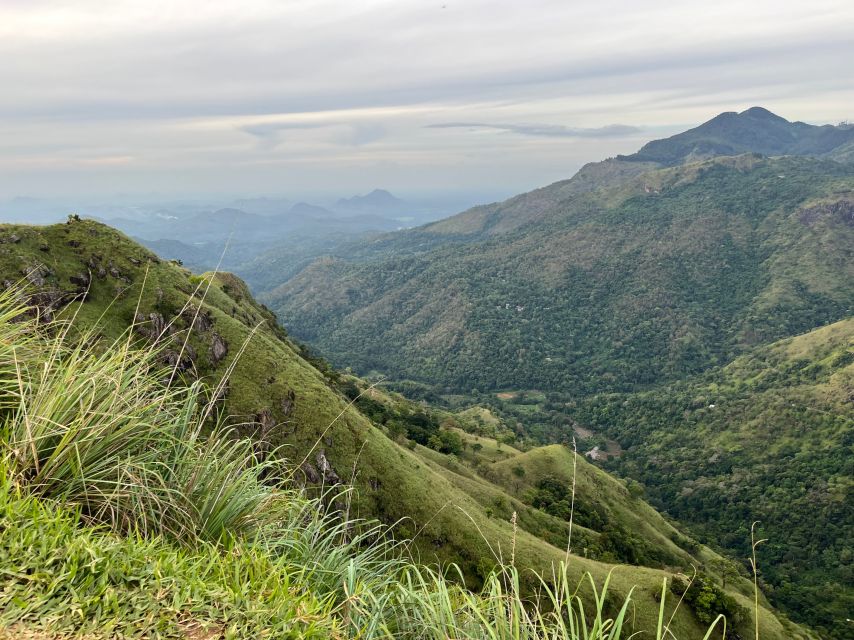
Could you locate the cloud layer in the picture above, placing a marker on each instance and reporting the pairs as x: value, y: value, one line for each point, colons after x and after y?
x: 546, y: 130
x: 271, y: 97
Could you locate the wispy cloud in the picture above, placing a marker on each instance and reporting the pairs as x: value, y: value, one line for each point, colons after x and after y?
x: 271, y: 134
x: 546, y: 130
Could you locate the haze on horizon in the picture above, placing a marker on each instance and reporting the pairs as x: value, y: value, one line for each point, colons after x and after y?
x: 268, y: 97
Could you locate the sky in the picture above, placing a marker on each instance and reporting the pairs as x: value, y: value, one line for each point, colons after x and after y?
x: 275, y: 97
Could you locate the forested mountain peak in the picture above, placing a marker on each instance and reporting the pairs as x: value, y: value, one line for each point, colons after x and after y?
x: 755, y: 130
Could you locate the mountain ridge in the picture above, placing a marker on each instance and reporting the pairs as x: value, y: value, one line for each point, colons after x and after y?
x: 443, y: 295
x: 755, y: 130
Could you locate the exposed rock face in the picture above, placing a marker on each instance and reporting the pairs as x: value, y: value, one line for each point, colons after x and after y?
x: 329, y: 474
x: 180, y: 359
x: 200, y: 320
x: 180, y: 354
x: 218, y: 350
x: 48, y: 301
x: 45, y: 299
x: 289, y: 403
x: 842, y: 211
x: 158, y: 325
x: 36, y: 273
x: 81, y: 280
x: 153, y: 327
x: 265, y: 423
x: 96, y: 267
x: 310, y: 473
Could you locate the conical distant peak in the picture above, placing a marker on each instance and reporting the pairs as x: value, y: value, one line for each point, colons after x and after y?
x: 761, y: 112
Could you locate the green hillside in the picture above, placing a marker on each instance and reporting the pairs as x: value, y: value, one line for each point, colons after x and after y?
x: 663, y: 276
x: 208, y: 328
x: 768, y: 438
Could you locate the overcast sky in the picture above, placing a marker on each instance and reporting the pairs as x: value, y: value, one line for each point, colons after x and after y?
x: 186, y: 97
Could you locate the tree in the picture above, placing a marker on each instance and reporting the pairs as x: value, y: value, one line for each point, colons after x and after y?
x: 635, y: 488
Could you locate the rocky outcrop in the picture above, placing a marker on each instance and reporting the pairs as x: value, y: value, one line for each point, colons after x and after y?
x: 181, y: 359
x: 322, y: 474
x: 45, y: 298
x: 178, y: 353
x: 310, y: 473
x: 96, y: 267
x: 218, y: 349
x: 264, y: 426
x: 48, y: 301
x: 199, y: 320
x: 288, y: 403
x: 36, y: 274
x: 323, y: 464
x: 81, y: 279
x: 154, y: 327
x: 839, y: 211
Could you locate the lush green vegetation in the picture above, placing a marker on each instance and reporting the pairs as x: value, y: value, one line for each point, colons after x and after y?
x: 645, y: 282
x: 768, y: 438
x: 123, y: 517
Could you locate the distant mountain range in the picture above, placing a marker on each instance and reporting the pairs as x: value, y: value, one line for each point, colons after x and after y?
x: 203, y: 237
x: 630, y: 273
x: 232, y: 236
x: 376, y: 200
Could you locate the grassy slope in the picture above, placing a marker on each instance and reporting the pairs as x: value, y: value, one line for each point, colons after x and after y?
x: 68, y: 578
x: 662, y: 276
x: 490, y: 475
x: 394, y: 482
x: 769, y: 438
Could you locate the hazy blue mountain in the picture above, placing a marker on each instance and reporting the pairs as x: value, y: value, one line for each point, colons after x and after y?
x: 376, y: 200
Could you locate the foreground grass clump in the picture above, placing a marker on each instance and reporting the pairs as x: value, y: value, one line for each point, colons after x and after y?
x: 94, y: 426
x: 125, y: 511
x: 62, y: 577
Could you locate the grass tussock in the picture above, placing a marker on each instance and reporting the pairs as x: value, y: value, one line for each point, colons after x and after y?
x: 93, y: 425
x: 126, y: 511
